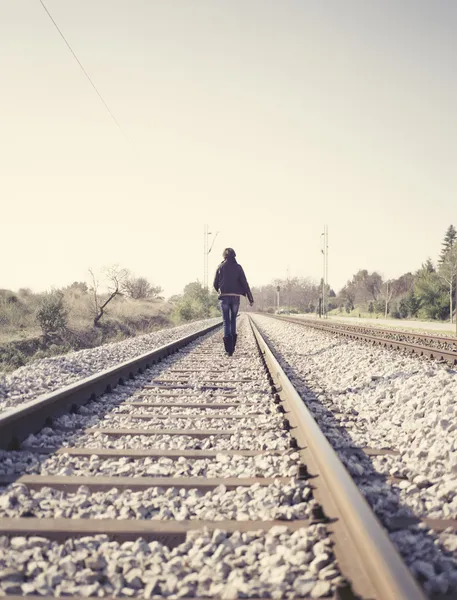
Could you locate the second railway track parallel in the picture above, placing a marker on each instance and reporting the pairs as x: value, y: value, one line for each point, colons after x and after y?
x: 205, y: 476
x: 432, y: 346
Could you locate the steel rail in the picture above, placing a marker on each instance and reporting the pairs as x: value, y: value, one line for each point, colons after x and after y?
x: 413, y: 334
x: 430, y: 351
x: 340, y: 497
x: 330, y: 324
x: 18, y: 423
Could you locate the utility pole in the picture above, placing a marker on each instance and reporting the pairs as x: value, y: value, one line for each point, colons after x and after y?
x: 288, y: 290
x: 326, y: 268
x: 278, y: 289
x: 206, y: 250
x: 324, y: 250
x: 387, y: 299
x: 455, y: 304
x: 205, y: 256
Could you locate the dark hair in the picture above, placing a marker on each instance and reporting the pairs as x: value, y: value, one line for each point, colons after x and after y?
x: 229, y: 253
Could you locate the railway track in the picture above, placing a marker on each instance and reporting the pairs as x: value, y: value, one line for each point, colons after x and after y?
x: 421, y: 344
x: 197, y: 476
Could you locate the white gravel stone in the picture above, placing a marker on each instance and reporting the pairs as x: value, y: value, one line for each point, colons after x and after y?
x: 48, y: 374
x: 276, y: 501
x: 276, y: 564
x: 206, y: 564
x: 116, y: 421
x: 265, y: 440
x: 268, y: 465
x: 364, y: 396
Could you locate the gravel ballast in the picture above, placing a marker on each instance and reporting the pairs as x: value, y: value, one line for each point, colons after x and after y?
x: 276, y: 501
x: 266, y: 440
x: 364, y: 396
x: 268, y: 465
x: 48, y: 374
x: 273, y: 564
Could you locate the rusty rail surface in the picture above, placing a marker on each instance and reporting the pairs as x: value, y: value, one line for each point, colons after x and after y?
x: 429, y: 346
x: 367, y: 542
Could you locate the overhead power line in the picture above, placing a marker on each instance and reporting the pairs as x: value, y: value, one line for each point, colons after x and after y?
x: 82, y: 68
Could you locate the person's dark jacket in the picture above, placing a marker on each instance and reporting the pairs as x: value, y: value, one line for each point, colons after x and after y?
x: 230, y: 279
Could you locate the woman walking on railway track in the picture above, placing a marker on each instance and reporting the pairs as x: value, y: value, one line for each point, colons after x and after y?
x: 230, y: 282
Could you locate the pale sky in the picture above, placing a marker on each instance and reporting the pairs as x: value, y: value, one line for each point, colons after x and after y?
x: 266, y: 119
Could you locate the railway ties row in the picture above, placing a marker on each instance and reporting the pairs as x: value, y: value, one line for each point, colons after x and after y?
x: 224, y: 435
x: 361, y: 396
x: 441, y: 348
x: 205, y: 497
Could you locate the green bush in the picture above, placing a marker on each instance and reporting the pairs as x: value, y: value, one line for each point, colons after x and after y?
x: 52, y: 315
x: 11, y: 357
x: 187, y: 310
x: 399, y: 308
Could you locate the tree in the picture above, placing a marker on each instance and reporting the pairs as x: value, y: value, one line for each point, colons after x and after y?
x: 399, y: 309
x: 196, y: 302
x: 413, y: 304
x: 403, y: 285
x: 116, y: 278
x: 448, y: 242
x: 373, y: 285
x: 332, y: 303
x: 428, y: 266
x: 386, y: 293
x: 403, y: 308
x: 139, y: 288
x: 187, y: 310
x: 303, y: 293
x: 78, y: 286
x: 363, y: 288
x: 431, y: 291
x: 347, y: 296
x: 195, y: 291
x: 448, y: 273
x: 25, y: 292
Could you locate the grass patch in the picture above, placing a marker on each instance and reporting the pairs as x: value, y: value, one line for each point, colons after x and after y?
x: 22, y: 340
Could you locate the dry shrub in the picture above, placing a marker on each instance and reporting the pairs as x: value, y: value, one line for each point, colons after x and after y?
x: 52, y: 315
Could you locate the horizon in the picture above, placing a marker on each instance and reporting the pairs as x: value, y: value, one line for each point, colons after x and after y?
x: 267, y: 121
x: 166, y: 296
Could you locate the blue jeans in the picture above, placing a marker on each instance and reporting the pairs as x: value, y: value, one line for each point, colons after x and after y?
x: 229, y: 307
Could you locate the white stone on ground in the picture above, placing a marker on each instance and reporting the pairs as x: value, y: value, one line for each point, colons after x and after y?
x: 276, y: 501
x: 275, y: 564
x: 265, y: 440
x: 268, y: 465
x: 269, y: 564
x: 48, y: 374
x: 367, y: 396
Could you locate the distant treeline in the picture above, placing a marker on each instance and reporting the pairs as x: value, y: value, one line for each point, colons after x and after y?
x: 428, y: 293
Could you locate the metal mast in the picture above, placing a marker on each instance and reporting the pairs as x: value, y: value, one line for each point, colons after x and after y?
x: 205, y: 257
x: 324, y: 250
x: 206, y: 250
